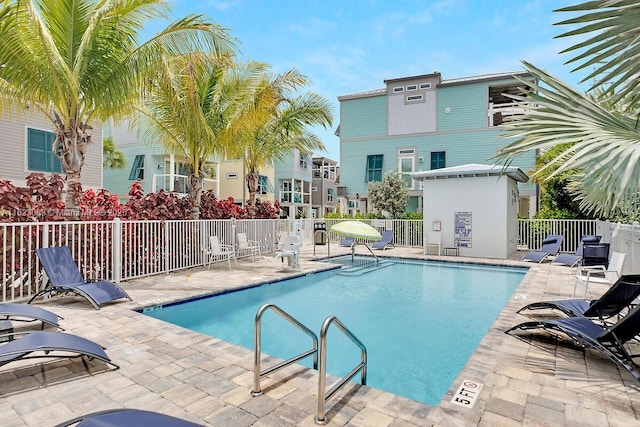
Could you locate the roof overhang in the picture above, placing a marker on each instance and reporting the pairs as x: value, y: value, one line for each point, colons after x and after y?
x: 473, y: 170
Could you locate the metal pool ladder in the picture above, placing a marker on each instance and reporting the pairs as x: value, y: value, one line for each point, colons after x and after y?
x: 323, y: 397
x: 257, y: 340
x: 321, y: 418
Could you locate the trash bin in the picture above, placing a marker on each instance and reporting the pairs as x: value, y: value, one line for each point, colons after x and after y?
x: 319, y: 238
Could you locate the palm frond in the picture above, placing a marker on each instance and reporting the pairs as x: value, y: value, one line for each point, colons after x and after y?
x: 603, y: 144
x: 613, y: 45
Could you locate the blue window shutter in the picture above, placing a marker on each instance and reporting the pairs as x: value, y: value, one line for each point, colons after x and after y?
x: 137, y: 171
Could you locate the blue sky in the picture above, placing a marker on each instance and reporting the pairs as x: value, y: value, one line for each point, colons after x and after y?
x: 349, y: 46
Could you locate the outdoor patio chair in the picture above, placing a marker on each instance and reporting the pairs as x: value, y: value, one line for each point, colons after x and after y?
x: 64, y: 278
x: 45, y: 344
x: 618, y: 297
x: 386, y: 241
x: 347, y: 241
x: 599, y: 273
x: 609, y: 340
x: 217, y: 250
x: 595, y: 254
x: 248, y: 247
x: 127, y: 417
x: 291, y: 252
x: 28, y: 313
x: 550, y: 247
x: 573, y: 259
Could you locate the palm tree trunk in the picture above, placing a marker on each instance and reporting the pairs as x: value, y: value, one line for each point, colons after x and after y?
x: 70, y: 146
x: 195, y: 192
x: 252, y: 186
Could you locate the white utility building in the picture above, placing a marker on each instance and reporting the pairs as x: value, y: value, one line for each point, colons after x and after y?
x: 471, y: 210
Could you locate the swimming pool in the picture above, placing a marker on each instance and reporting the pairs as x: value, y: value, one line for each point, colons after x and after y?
x: 420, y: 321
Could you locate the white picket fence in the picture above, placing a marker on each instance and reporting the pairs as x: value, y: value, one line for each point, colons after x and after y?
x: 123, y: 250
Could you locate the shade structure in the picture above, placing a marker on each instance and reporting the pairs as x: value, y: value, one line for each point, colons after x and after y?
x: 356, y: 229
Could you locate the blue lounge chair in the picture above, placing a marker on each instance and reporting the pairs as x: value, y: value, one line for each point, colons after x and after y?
x: 127, y: 417
x: 618, y: 297
x: 608, y: 340
x: 45, y: 344
x: 64, y: 277
x: 347, y: 241
x: 550, y: 246
x: 387, y: 240
x: 28, y: 313
x: 574, y: 258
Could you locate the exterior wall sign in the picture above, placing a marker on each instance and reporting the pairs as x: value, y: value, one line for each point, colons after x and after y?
x: 462, y: 229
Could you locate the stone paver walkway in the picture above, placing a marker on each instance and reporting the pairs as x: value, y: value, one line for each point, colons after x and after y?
x: 171, y: 370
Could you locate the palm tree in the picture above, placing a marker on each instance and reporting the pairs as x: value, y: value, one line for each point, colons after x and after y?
x: 112, y: 157
x: 602, y: 139
x: 81, y: 61
x: 280, y: 125
x: 198, y: 106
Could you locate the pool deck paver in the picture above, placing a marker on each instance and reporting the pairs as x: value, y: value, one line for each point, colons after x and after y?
x: 169, y: 369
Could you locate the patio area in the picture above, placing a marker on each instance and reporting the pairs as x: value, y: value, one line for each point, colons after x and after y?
x: 171, y: 370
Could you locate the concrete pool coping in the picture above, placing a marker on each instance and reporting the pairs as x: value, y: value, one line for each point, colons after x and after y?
x: 171, y: 370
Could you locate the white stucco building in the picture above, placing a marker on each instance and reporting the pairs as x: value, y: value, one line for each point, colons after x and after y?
x: 473, y: 208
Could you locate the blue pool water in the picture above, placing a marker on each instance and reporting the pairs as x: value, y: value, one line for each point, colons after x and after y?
x: 420, y: 321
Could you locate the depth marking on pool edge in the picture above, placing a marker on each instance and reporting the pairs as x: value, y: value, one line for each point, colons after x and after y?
x: 467, y: 394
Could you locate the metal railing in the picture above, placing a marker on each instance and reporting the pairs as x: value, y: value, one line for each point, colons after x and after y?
x: 257, y: 344
x: 323, y: 397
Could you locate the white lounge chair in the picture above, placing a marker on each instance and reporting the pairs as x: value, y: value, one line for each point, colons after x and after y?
x: 217, y: 250
x: 599, y: 273
x: 248, y: 247
x: 291, y: 252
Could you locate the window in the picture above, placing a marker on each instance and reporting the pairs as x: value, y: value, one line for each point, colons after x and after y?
x: 232, y: 175
x: 425, y: 85
x: 330, y: 194
x: 40, y: 157
x: 304, y: 160
x: 415, y: 98
x: 263, y: 184
x: 398, y: 89
x: 438, y: 159
x: 137, y: 170
x: 412, y: 87
x: 374, y: 168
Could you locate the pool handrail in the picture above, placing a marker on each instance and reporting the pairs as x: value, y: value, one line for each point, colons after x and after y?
x: 321, y: 417
x: 257, y: 340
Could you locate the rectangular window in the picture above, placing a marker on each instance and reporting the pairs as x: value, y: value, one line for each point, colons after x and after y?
x: 330, y: 194
x: 263, y: 184
x: 137, y: 170
x: 374, y: 168
x: 232, y: 175
x: 415, y: 98
x: 425, y: 85
x: 438, y: 159
x: 412, y: 87
x: 398, y: 89
x: 40, y: 156
x: 304, y: 160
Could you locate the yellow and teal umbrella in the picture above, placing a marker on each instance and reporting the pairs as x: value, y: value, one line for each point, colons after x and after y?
x: 356, y: 229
